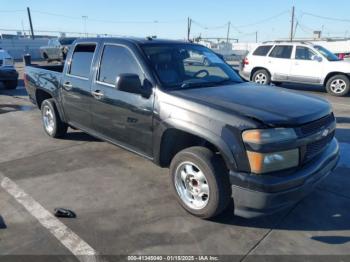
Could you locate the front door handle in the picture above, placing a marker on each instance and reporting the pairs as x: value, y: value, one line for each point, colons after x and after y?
x: 97, y: 94
x: 67, y: 85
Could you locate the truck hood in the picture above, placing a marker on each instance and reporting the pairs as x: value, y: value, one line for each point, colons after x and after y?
x: 270, y: 105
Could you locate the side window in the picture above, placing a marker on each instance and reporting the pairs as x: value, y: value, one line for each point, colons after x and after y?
x: 262, y: 50
x: 282, y: 51
x: 117, y: 60
x: 81, y: 60
x: 304, y: 53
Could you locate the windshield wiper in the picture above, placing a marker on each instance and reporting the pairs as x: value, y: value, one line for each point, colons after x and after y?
x: 195, y: 84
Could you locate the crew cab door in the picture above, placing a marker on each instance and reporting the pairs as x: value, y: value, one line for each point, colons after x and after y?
x: 279, y: 62
x: 121, y: 117
x: 76, y: 86
x: 305, y: 68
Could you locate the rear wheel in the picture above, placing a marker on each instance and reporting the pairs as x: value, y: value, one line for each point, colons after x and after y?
x: 262, y: 77
x: 200, y: 182
x: 338, y: 85
x: 52, y: 123
x: 11, y: 84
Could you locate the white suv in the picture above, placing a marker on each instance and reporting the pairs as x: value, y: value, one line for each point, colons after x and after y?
x: 297, y: 62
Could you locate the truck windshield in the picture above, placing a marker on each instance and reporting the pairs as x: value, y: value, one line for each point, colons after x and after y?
x: 326, y: 53
x: 188, y: 66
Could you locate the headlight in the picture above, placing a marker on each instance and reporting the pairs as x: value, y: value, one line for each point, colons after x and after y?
x: 273, y: 161
x: 269, y: 162
x: 266, y: 136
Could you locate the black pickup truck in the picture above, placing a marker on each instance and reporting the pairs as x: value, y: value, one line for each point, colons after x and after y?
x: 223, y: 139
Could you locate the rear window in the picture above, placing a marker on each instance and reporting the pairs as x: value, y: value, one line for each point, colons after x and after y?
x: 282, y: 51
x: 262, y: 50
x: 81, y: 60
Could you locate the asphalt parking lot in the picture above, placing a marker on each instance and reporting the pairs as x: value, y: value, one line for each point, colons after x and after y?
x: 124, y: 204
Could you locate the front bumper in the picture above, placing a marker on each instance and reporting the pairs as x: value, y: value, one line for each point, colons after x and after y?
x: 8, y: 74
x: 258, y: 195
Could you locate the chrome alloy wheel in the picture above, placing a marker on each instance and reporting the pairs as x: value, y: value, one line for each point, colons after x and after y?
x: 48, y: 119
x: 260, y: 79
x: 191, y: 185
x: 338, y: 86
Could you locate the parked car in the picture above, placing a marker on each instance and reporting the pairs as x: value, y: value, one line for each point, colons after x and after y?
x: 196, y: 59
x: 221, y: 137
x: 57, y: 49
x: 297, y: 62
x: 8, y: 73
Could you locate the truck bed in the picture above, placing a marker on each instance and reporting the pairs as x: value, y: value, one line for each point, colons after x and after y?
x: 43, y: 77
x: 56, y: 68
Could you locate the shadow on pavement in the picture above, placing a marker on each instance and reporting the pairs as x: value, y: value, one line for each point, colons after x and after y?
x: 320, y: 211
x: 301, y: 87
x: 4, y: 108
x: 80, y: 136
x: 335, y: 240
x: 2, y: 223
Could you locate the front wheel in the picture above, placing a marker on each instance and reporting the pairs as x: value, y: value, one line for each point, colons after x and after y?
x: 200, y: 182
x: 52, y: 123
x: 338, y: 85
x: 262, y: 77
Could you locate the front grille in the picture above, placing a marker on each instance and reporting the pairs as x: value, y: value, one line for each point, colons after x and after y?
x: 313, y: 149
x: 315, y: 126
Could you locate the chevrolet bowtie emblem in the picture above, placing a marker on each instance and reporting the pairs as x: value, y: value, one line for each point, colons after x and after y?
x: 325, y: 132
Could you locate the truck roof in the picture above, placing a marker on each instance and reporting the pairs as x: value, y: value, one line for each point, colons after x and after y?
x: 134, y: 40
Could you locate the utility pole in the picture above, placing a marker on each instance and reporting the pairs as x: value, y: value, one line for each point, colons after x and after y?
x: 189, y: 24
x: 30, y: 23
x: 256, y: 36
x: 228, y: 31
x: 292, y: 24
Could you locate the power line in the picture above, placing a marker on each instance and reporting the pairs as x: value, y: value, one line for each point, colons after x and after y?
x: 264, y: 20
x: 109, y: 21
x: 326, y: 17
x: 205, y: 27
x: 12, y: 11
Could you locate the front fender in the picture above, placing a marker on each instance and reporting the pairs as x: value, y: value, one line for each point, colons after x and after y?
x: 221, y: 142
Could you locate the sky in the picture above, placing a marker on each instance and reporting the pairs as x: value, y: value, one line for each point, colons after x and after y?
x: 168, y: 19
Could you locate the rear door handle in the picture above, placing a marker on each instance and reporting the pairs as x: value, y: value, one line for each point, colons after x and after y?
x: 67, y: 85
x: 97, y: 94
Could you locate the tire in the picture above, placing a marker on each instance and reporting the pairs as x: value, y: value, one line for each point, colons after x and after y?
x: 338, y: 85
x: 11, y: 84
x: 205, y: 183
x: 52, y: 123
x: 261, y: 77
x: 45, y: 56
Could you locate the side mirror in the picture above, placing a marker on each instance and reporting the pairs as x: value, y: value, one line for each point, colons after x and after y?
x: 131, y: 83
x: 317, y: 58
